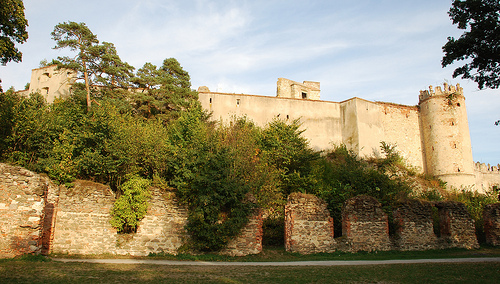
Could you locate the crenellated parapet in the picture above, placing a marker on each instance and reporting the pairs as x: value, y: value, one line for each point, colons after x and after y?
x: 487, y: 168
x: 437, y: 91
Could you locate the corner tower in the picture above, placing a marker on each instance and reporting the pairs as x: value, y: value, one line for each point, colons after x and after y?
x: 445, y: 133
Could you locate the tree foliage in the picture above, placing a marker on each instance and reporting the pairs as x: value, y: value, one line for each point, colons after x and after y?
x: 479, y: 45
x: 132, y: 205
x: 165, y: 91
x: 97, y: 64
x: 12, y: 30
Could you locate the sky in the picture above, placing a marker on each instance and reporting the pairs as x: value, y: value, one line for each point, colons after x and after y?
x: 378, y: 50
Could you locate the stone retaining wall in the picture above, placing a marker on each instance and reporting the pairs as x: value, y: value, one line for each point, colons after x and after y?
x: 491, y: 217
x: 250, y: 239
x: 456, y: 225
x: 414, y: 226
x: 23, y: 197
x: 87, y: 230
x: 365, y: 226
x: 308, y: 225
x: 38, y: 217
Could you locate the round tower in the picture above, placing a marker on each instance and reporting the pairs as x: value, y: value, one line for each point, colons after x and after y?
x: 445, y: 136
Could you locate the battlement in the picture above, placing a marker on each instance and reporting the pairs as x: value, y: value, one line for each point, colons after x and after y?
x: 487, y: 168
x: 437, y: 91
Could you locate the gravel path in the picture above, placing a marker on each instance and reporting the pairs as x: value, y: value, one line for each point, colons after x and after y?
x: 291, y: 263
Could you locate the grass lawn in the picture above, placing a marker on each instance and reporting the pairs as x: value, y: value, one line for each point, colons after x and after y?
x: 41, y: 270
x: 20, y: 271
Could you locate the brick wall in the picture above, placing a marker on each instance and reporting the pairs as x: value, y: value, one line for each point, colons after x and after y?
x: 308, y: 225
x: 491, y: 216
x: 414, y: 226
x: 364, y: 225
x: 456, y: 225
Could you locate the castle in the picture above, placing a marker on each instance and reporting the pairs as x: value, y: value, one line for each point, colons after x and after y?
x: 433, y: 136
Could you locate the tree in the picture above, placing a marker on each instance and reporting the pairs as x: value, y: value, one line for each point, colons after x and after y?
x: 12, y: 29
x: 97, y: 63
x: 166, y: 90
x: 480, y: 42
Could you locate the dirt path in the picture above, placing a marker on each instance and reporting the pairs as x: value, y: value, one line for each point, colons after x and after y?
x: 291, y: 263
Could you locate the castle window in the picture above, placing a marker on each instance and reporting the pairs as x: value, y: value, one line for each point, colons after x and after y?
x: 458, y: 104
x: 458, y: 169
x: 287, y: 116
x: 45, y: 91
x: 304, y: 95
x: 237, y: 102
x: 210, y: 100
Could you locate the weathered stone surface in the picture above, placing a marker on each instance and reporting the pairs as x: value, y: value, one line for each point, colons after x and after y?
x: 456, y: 225
x: 250, y: 239
x: 23, y: 197
x: 308, y: 225
x: 491, y: 217
x: 87, y: 230
x: 365, y: 225
x: 414, y: 226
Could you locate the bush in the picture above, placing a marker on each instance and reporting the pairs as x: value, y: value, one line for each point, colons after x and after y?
x: 341, y: 175
x: 131, y: 206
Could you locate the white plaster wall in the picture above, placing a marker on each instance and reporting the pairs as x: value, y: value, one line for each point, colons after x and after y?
x: 320, y: 119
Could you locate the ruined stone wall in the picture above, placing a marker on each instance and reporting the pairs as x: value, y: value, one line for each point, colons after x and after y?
x: 308, y: 225
x: 491, y: 217
x: 87, y: 230
x: 456, y: 226
x: 365, y: 226
x: 414, y: 226
x: 250, y: 239
x: 23, y: 197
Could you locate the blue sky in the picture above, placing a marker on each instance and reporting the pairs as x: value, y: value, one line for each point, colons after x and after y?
x: 384, y: 50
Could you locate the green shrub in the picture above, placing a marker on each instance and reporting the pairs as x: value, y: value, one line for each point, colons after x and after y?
x: 475, y: 203
x: 341, y: 175
x: 131, y: 206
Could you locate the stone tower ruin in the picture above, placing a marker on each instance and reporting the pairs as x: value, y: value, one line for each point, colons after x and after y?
x: 446, y: 140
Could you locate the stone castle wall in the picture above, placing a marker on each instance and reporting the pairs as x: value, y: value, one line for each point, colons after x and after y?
x: 401, y: 128
x: 487, y: 176
x: 414, y: 226
x: 87, y: 230
x: 38, y: 217
x: 21, y: 210
x: 365, y: 225
x: 308, y: 225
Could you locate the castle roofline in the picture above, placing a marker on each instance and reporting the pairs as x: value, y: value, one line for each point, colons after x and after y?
x: 261, y: 96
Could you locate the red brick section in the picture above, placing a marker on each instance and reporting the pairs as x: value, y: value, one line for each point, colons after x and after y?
x: 456, y: 225
x: 414, y: 226
x: 308, y: 225
x: 491, y: 217
x: 364, y: 225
